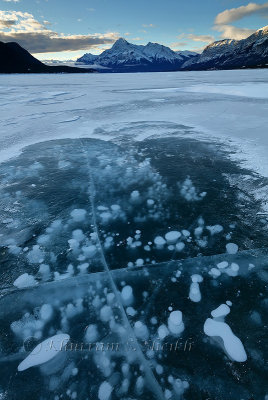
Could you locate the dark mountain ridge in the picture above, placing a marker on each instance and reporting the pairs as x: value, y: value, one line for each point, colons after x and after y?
x: 15, y: 59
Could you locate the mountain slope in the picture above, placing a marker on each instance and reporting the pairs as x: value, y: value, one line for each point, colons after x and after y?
x: 251, y: 52
x: 127, y: 57
x: 15, y: 59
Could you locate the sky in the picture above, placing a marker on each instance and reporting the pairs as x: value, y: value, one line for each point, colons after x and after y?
x: 66, y: 29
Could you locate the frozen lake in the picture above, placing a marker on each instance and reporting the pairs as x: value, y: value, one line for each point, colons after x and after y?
x: 133, y: 236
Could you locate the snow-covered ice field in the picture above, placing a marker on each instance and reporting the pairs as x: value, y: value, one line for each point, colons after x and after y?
x: 133, y: 236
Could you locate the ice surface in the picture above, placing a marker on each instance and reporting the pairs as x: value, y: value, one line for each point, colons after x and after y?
x: 125, y: 213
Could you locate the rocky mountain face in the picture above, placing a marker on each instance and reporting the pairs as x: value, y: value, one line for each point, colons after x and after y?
x: 127, y: 57
x: 251, y: 52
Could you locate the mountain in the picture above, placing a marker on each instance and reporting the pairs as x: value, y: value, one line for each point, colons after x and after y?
x: 15, y: 59
x: 128, y: 57
x: 251, y: 52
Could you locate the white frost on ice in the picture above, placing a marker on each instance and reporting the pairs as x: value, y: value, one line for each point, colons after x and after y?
x: 91, y: 334
x: 180, y: 386
x: 188, y: 191
x: 44, y: 271
x: 222, y: 265
x: 78, y: 214
x: 141, y: 330
x: 159, y: 241
x: 46, y: 312
x: 221, y: 311
x: 150, y: 203
x: 44, y: 352
x: 214, y: 229
x: 35, y: 256
x: 162, y: 331
x: 172, y: 237
x: 215, y: 273
x: 135, y: 197
x: 175, y: 323
x: 127, y: 295
x: 216, y: 327
x: 232, y: 248
x: 180, y: 246
x: 130, y: 311
x: 186, y: 233
x: 232, y: 344
x: 106, y: 313
x: 139, y: 262
x: 195, y: 294
x: 24, y: 281
x: 105, y: 391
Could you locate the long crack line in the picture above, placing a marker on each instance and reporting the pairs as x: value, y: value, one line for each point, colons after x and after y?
x: 154, y: 385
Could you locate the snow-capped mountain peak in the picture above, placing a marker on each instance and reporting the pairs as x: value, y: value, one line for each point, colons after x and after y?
x: 121, y: 43
x: 230, y: 53
x: 125, y: 55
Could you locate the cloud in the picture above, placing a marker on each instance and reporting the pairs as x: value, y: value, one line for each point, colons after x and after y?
x: 201, y: 38
x: 11, y: 1
x: 234, y: 14
x: 50, y: 42
x: 198, y: 49
x: 178, y: 45
x: 196, y: 38
x: 7, y: 23
x: 224, y: 19
x: 148, y: 25
x: 232, y: 32
x: 17, y: 20
x: 22, y: 27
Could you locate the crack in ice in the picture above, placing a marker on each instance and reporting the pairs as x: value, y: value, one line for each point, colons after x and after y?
x: 154, y: 385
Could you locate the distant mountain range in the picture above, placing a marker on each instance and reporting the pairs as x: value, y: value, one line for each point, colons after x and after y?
x: 224, y: 54
x: 15, y: 59
x: 251, y: 52
x: 128, y: 57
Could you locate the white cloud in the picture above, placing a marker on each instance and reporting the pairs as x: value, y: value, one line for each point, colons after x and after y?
x: 234, y: 14
x: 224, y: 19
x: 37, y: 38
x: 196, y: 38
x: 7, y: 23
x: 232, y: 32
x: 177, y: 45
x: 11, y: 1
x: 201, y: 38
